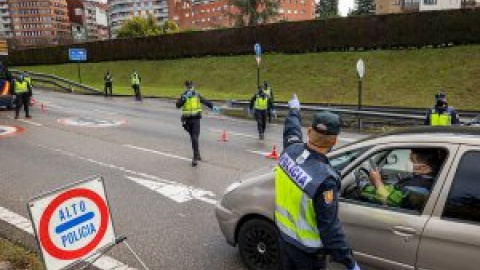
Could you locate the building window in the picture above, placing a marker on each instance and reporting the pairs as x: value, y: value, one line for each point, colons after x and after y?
x: 430, y: 2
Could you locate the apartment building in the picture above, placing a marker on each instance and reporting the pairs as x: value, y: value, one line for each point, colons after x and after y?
x: 122, y: 10
x: 39, y: 22
x: 88, y: 20
x: 207, y: 14
x: 5, y: 20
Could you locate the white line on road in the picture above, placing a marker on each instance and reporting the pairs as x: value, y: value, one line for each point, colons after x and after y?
x: 104, y: 262
x: 258, y: 152
x: 234, y: 133
x: 105, y: 112
x: 170, y: 189
x: 27, y: 121
x: 157, y: 152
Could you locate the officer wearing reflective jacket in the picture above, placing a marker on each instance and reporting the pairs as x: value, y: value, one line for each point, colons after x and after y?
x: 261, y: 104
x: 191, y: 103
x: 441, y: 114
x: 135, y: 82
x: 23, y: 91
x: 306, y: 195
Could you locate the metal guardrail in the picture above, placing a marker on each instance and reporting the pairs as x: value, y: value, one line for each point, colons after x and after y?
x: 404, y: 115
x: 59, y: 82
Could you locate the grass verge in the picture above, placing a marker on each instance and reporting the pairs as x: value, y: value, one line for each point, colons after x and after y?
x: 407, y: 78
x: 19, y: 257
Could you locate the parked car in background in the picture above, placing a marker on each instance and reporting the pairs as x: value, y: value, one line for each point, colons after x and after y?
x: 440, y: 231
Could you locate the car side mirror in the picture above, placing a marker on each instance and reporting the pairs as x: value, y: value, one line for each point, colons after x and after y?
x: 392, y: 159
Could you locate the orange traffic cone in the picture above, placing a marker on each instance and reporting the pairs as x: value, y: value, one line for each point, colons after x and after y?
x: 33, y: 101
x: 273, y: 154
x: 223, y: 136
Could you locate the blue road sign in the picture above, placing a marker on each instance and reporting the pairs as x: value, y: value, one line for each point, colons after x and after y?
x: 258, y: 49
x: 77, y: 54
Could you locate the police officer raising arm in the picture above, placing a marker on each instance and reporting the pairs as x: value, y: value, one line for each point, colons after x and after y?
x: 191, y: 103
x: 306, y: 195
x: 441, y: 114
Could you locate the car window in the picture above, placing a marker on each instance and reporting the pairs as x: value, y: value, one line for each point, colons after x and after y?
x: 463, y: 201
x: 402, y: 178
x: 340, y: 161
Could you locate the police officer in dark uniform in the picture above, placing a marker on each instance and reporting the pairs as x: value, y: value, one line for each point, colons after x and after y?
x: 23, y: 91
x: 441, y: 114
x: 306, y: 195
x: 261, y: 104
x: 108, y: 80
x: 135, y: 81
x: 410, y: 192
x: 191, y: 103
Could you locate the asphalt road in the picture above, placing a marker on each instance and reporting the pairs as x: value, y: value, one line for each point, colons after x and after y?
x: 163, y: 205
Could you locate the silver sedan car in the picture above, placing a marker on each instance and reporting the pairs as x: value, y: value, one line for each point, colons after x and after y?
x: 439, y: 230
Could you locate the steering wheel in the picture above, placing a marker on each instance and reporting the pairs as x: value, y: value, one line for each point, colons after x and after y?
x: 361, y: 175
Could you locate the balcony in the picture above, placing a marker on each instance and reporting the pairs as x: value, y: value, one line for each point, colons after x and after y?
x: 410, y: 5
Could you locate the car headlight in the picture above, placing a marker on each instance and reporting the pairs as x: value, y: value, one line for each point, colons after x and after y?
x: 232, y: 187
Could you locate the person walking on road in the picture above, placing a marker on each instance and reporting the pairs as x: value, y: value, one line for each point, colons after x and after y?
x: 135, y: 82
x: 267, y: 89
x: 306, y: 195
x: 23, y: 91
x: 191, y: 103
x: 260, y: 103
x: 441, y: 114
x: 108, y: 80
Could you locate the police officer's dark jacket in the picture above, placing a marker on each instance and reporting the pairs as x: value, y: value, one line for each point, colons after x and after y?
x: 326, y: 181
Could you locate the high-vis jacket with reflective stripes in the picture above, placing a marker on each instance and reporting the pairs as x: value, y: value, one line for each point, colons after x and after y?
x: 297, y: 181
x: 261, y: 103
x: 192, y: 106
x: 135, y: 79
x: 21, y: 87
x: 440, y: 119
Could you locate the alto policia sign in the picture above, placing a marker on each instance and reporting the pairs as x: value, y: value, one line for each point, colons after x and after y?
x: 72, y: 223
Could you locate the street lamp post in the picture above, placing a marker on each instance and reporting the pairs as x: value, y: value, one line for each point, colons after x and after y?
x: 258, y: 58
x: 360, y: 73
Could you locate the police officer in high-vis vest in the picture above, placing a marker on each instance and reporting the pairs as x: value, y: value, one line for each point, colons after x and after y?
x: 28, y: 78
x: 191, y: 103
x: 267, y: 89
x: 306, y: 195
x: 23, y: 91
x: 441, y: 114
x: 260, y: 103
x: 135, y: 82
x: 108, y: 81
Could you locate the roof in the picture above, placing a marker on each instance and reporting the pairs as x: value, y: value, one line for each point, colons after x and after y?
x: 429, y: 130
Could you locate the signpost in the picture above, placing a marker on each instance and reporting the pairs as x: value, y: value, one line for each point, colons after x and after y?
x: 361, y: 73
x: 77, y: 55
x: 258, y: 58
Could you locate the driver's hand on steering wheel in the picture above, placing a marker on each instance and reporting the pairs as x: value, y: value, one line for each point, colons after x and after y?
x: 375, y: 177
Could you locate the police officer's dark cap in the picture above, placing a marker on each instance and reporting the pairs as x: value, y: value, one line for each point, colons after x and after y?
x: 441, y: 97
x: 327, y: 123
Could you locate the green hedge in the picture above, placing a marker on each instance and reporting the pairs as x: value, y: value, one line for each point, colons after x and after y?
x: 436, y: 28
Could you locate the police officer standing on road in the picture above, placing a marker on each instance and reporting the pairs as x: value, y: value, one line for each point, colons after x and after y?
x: 267, y: 89
x: 108, y: 79
x: 28, y: 78
x: 441, y: 114
x: 135, y: 82
x: 260, y: 103
x: 191, y: 103
x: 23, y: 92
x: 306, y: 195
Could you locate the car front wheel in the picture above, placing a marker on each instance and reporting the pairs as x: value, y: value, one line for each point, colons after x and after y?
x: 258, y: 245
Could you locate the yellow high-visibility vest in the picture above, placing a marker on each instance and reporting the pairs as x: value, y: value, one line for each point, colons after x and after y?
x: 192, y: 106
x: 21, y: 87
x: 261, y: 103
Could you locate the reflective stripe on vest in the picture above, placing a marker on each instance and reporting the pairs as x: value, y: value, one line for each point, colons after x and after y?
x: 192, y: 106
x: 134, y: 79
x: 261, y: 103
x: 21, y: 87
x: 440, y: 119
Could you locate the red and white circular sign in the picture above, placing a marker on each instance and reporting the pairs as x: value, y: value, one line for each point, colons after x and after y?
x: 73, y: 223
x: 10, y: 130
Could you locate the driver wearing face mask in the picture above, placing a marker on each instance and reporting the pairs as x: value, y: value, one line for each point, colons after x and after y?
x: 410, y: 192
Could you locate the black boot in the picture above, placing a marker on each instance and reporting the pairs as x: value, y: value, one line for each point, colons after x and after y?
x: 194, y: 162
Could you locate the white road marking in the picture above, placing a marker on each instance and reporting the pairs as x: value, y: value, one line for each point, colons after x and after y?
x: 104, y: 262
x: 171, y: 189
x: 258, y: 152
x: 105, y: 112
x: 157, y: 152
x: 177, y: 192
x: 234, y: 133
x: 348, y: 139
x: 26, y: 121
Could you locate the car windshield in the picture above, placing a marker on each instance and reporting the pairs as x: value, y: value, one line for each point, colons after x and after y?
x: 340, y: 161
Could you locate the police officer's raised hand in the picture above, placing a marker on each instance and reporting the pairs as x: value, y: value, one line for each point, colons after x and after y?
x: 294, y: 103
x: 216, y: 109
x: 356, y: 267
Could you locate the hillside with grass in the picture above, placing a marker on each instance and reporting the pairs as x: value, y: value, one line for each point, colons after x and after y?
x: 408, y: 78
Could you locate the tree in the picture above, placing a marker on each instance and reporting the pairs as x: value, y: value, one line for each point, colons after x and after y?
x: 363, y: 7
x: 138, y: 27
x: 170, y: 27
x: 327, y: 9
x: 254, y: 12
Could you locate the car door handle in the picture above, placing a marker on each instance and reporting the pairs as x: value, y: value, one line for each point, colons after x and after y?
x: 404, y: 231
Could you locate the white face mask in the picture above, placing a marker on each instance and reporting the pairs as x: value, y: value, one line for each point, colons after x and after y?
x: 409, y: 167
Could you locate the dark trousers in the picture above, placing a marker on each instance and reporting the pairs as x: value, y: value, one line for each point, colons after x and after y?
x: 296, y: 259
x: 108, y: 89
x: 269, y: 114
x: 261, y: 117
x: 22, y: 100
x: 136, y: 90
x: 192, y: 126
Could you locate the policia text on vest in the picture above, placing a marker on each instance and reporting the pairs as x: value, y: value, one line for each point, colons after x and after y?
x: 191, y: 103
x: 306, y: 200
